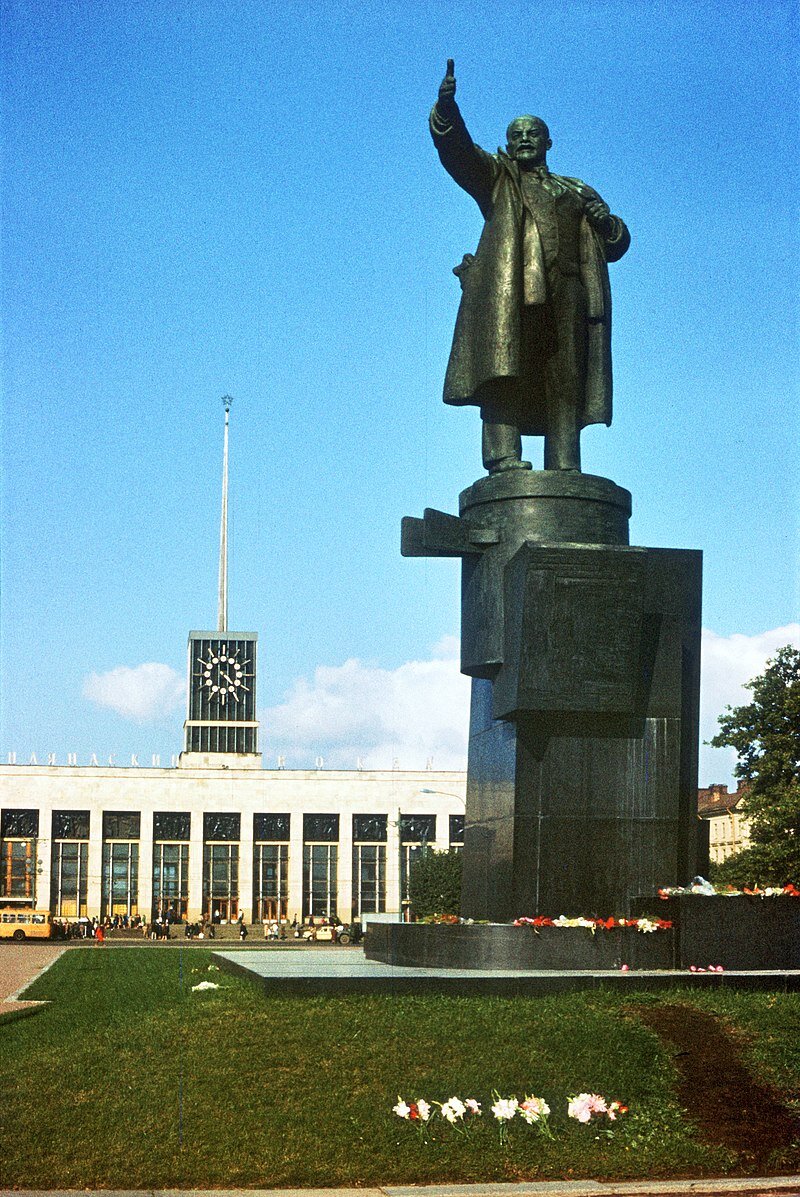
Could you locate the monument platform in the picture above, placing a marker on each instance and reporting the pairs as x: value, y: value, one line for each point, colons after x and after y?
x: 336, y: 971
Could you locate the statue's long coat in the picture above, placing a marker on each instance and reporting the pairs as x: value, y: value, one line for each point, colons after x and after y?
x: 487, y: 341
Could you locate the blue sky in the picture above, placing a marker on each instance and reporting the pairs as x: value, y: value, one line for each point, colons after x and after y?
x: 209, y: 198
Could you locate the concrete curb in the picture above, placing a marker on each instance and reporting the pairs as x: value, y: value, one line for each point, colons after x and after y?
x: 754, y: 1186
x: 751, y: 1186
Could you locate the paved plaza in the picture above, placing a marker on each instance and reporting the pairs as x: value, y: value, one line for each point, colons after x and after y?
x: 20, y: 964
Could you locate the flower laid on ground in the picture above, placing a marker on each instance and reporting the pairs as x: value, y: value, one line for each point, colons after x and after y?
x: 504, y: 1109
x: 712, y: 968
x: 414, y: 1111
x: 585, y: 1106
x: 645, y: 924
x: 204, y: 985
x: 535, y: 1111
x: 418, y: 1112
x: 453, y: 1110
x: 728, y: 891
x: 532, y: 1110
x: 459, y: 1113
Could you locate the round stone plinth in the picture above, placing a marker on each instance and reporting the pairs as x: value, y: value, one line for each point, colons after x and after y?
x: 549, y: 506
x: 746, y: 933
x: 510, y: 949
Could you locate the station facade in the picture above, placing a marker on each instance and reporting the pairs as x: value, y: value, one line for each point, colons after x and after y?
x: 220, y: 842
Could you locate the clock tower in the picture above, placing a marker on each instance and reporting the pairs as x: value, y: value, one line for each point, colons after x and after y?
x: 221, y: 730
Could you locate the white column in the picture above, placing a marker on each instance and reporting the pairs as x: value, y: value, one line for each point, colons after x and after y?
x: 393, y: 863
x: 42, y: 863
x: 146, y: 864
x: 344, y: 896
x: 246, y: 866
x: 295, y: 907
x: 442, y: 842
x: 94, y: 865
x: 195, y: 907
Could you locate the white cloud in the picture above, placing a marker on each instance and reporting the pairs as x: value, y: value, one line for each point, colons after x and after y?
x: 146, y: 693
x: 416, y: 711
x: 421, y: 708
x: 727, y: 663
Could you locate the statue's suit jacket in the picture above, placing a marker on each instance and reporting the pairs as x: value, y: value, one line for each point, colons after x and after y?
x: 508, y: 271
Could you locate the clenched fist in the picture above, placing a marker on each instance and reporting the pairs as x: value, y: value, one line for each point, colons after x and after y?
x: 447, y: 90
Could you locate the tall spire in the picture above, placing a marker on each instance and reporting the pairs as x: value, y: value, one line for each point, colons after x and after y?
x: 222, y: 616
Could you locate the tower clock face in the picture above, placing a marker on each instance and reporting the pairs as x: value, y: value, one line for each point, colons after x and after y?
x: 223, y: 675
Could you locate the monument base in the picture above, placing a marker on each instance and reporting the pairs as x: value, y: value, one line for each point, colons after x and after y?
x: 549, y: 506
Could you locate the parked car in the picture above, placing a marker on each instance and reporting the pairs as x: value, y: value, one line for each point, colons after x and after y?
x: 350, y: 933
x: 343, y: 933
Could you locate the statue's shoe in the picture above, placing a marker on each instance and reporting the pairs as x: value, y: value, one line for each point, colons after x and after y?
x: 510, y: 463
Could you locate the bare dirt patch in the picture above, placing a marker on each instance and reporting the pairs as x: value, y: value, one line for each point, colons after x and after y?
x: 728, y: 1103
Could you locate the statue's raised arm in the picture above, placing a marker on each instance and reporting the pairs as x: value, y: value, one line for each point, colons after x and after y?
x: 470, y: 166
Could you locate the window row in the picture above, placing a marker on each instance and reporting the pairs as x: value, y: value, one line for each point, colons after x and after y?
x: 220, y: 871
x: 223, y: 826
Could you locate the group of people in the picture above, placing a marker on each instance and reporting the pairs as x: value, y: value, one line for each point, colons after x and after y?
x: 162, y: 927
x: 86, y: 928
x: 274, y: 929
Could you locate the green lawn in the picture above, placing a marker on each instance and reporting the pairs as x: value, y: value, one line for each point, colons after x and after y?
x: 131, y: 1080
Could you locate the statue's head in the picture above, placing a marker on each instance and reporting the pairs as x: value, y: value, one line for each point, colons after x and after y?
x: 527, y: 141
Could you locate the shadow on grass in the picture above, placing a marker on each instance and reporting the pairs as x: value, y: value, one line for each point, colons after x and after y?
x: 7, y: 1016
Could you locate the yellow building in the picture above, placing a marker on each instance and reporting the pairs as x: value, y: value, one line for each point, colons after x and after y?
x: 729, y: 830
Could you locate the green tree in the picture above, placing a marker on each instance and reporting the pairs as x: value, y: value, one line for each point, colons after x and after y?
x: 434, y: 883
x: 766, y: 736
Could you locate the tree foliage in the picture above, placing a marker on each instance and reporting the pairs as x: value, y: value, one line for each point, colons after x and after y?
x: 766, y: 736
x: 434, y: 883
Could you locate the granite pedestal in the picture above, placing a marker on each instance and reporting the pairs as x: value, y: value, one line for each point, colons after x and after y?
x: 584, y: 654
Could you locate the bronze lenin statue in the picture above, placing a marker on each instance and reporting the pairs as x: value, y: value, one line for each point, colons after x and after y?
x: 532, y: 343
